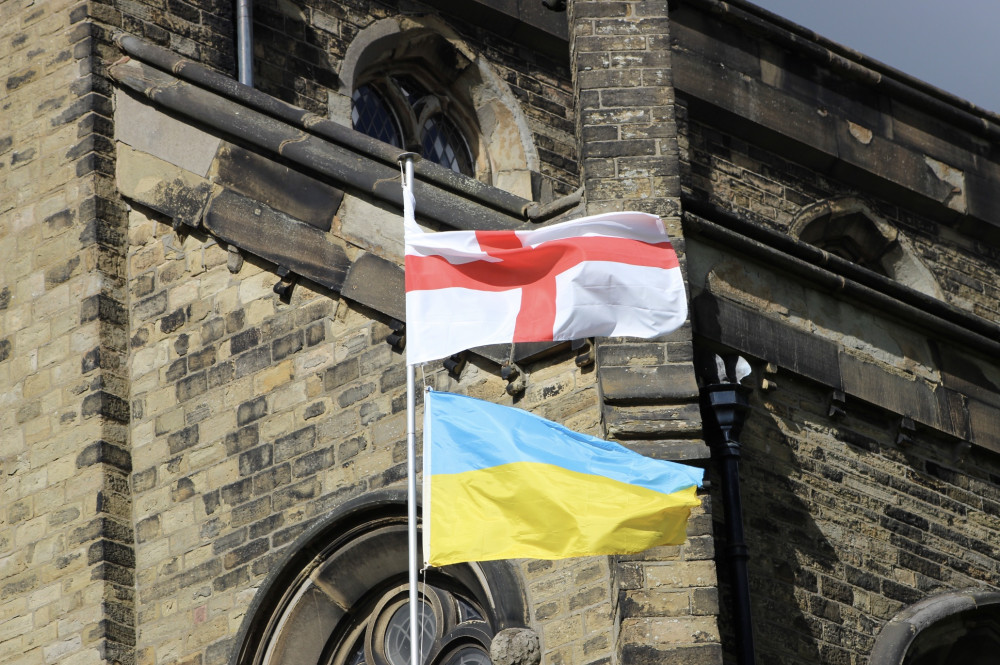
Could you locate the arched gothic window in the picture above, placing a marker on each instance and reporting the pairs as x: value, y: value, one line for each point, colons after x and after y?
x: 414, y: 83
x: 401, y: 111
x: 849, y: 229
x: 341, y: 598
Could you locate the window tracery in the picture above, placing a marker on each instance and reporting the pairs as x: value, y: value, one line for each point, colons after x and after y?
x: 341, y: 598
x: 399, y: 110
x: 414, y: 83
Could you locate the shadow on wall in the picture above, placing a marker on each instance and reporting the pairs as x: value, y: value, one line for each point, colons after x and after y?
x: 789, y: 554
x: 293, y: 53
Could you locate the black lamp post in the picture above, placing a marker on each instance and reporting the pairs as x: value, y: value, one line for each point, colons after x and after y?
x: 724, y: 405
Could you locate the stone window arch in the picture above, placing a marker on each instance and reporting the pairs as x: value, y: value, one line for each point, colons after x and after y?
x: 955, y: 627
x: 419, y: 71
x: 847, y: 228
x: 341, y: 598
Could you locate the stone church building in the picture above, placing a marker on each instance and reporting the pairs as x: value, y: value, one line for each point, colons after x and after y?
x: 202, y: 331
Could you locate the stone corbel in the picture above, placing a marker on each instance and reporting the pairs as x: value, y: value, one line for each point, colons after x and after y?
x: 838, y: 404
x: 286, y: 280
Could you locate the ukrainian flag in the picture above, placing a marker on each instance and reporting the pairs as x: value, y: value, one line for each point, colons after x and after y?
x: 502, y: 483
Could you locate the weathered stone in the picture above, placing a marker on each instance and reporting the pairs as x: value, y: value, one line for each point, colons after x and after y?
x: 147, y: 130
x: 515, y: 646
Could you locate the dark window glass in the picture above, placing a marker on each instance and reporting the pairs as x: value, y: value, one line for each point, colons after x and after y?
x: 371, y: 115
x: 438, y: 138
x: 467, y: 656
x: 467, y: 611
x: 413, y: 91
x: 443, y: 144
x: 397, y: 634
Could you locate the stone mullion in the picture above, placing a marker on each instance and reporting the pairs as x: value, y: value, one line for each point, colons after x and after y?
x: 667, y: 597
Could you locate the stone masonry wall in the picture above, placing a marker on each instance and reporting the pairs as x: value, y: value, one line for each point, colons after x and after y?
x: 65, y: 514
x: 846, y: 526
x: 253, y: 417
x: 666, y: 597
x: 200, y: 30
x: 847, y: 522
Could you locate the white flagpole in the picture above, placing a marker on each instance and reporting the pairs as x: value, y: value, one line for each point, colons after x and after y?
x: 409, y: 218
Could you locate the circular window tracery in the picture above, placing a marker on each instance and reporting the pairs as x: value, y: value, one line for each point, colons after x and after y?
x: 452, y: 630
x: 341, y: 598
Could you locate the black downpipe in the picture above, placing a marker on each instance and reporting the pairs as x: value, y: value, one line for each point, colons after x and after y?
x: 725, y: 403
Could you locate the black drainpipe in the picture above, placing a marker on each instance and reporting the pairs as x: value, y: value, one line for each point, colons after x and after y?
x: 724, y: 406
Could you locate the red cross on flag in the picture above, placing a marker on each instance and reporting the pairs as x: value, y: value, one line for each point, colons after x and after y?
x: 608, y: 275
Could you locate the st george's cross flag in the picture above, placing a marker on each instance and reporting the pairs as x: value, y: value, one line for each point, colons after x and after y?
x: 607, y: 275
x: 503, y: 483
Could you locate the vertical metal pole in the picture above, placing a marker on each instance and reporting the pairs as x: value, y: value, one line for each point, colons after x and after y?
x: 411, y: 510
x: 244, y: 41
x: 411, y: 446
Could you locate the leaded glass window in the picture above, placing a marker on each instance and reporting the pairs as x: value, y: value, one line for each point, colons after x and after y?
x: 371, y: 115
x: 398, y: 109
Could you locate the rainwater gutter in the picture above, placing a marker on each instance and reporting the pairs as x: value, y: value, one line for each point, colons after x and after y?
x: 704, y: 219
x: 501, y: 202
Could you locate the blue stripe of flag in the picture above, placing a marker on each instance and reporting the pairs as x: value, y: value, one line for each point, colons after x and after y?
x: 470, y: 434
